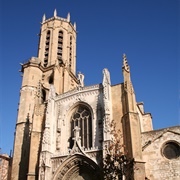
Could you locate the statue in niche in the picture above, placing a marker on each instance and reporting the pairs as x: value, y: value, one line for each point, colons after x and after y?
x: 58, y: 140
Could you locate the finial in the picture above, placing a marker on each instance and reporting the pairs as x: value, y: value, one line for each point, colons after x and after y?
x: 68, y: 17
x: 43, y: 18
x: 81, y: 79
x: 55, y: 13
x: 106, y: 77
x: 75, y: 26
x: 125, y: 63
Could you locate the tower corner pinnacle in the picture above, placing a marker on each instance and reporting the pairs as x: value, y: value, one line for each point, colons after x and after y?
x: 43, y: 18
x: 68, y: 17
x: 74, y: 26
x: 55, y: 13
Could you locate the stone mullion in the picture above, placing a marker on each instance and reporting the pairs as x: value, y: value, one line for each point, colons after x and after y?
x: 74, y: 126
x: 82, y: 132
x: 87, y: 119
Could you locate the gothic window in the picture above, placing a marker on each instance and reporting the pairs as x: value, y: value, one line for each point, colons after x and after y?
x: 60, y: 47
x: 46, y: 53
x: 171, y: 150
x: 81, y: 117
x: 70, y: 53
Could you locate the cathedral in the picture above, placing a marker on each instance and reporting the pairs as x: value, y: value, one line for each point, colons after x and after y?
x: 63, y: 126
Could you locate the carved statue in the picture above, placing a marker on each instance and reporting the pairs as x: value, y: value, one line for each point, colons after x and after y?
x: 77, y: 137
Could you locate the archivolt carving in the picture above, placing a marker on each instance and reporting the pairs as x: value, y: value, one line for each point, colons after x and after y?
x: 56, y: 162
x: 78, y: 166
x: 84, y: 91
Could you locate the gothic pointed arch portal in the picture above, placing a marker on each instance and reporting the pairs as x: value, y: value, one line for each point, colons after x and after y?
x: 78, y: 167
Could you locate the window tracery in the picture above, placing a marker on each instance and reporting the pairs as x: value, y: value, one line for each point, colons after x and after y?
x: 81, y: 118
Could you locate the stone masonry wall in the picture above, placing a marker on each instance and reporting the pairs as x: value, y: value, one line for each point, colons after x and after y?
x: 159, y: 167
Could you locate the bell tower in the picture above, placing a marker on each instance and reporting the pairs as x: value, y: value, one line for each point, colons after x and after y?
x: 58, y: 42
x: 57, y: 49
x: 55, y: 64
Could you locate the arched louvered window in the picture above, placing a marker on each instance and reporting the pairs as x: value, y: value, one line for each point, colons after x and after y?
x: 81, y: 118
x: 70, y: 53
x: 46, y: 54
x: 60, y: 47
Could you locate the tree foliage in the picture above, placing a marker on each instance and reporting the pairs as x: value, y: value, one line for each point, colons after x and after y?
x: 116, y: 163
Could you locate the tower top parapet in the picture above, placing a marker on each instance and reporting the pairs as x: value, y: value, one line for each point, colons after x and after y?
x: 44, y: 20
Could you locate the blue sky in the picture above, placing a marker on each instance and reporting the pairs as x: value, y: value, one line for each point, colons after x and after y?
x: 146, y: 30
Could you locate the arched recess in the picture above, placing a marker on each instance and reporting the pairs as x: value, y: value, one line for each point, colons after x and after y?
x: 78, y: 167
x: 77, y: 104
x: 81, y: 116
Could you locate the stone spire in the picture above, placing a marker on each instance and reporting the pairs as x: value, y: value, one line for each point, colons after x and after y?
x: 127, y: 76
x: 125, y: 63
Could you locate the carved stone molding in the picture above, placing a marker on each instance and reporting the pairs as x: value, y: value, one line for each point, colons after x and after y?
x: 72, y: 167
x: 81, y: 90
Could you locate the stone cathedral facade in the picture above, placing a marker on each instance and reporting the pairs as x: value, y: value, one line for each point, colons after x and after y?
x: 63, y: 126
